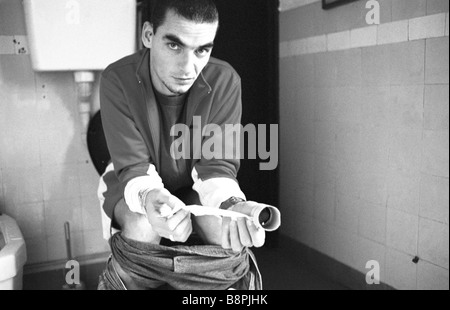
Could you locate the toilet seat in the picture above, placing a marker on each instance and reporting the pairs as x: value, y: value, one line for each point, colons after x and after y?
x: 97, y: 146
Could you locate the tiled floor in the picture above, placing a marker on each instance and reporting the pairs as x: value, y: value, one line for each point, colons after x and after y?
x: 280, y: 271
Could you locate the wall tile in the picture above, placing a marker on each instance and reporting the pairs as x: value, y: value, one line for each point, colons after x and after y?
x: 434, y: 198
x: 401, y: 272
x: 338, y: 19
x: 305, y: 140
x: 2, y: 198
x: 338, y: 41
x: 402, y: 231
x: 432, y: 277
x: 89, y: 179
x: 299, y: 23
x: 406, y: 150
x: 12, y: 18
x: 394, y: 32
x: 436, y: 153
x: 406, y: 9
x: 349, y: 180
x: 325, y: 138
x: 426, y: 27
x: 91, y: 213
x: 348, y: 144
x: 325, y: 170
x: 288, y: 87
x: 305, y: 169
x: 57, y: 246
x: 376, y: 66
x: 305, y: 230
x: 305, y: 199
x: 36, y: 250
x: 434, y: 242
x: 349, y: 67
x: 325, y: 104
x: 346, y: 247
x: 16, y: 74
x: 375, y: 106
x: 447, y: 21
x: 403, y: 191
x: 374, y: 149
x: 6, y: 45
x: 57, y: 212
x: 363, y: 37
x: 347, y: 212
x: 316, y: 44
x: 325, y: 70
x: 305, y: 64
x: 372, y: 222
x: 437, y: 61
x: 22, y: 186
x: 304, y: 109
x: 31, y: 219
x: 324, y: 238
x: 20, y: 123
x: 406, y: 106
x: 61, y: 182
x: 94, y: 242
x: 348, y: 104
x: 374, y: 188
x: 407, y: 63
x: 436, y: 113
x: 437, y: 6
x: 324, y: 203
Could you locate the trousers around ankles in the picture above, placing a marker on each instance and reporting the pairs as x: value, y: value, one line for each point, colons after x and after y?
x: 200, y: 267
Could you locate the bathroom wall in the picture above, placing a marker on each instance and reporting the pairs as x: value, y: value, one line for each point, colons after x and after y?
x: 46, y: 175
x: 365, y: 136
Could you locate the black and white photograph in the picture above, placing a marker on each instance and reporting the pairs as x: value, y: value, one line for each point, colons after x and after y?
x: 224, y: 150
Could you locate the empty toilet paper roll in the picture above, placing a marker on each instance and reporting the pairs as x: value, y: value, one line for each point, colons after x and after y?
x: 263, y: 216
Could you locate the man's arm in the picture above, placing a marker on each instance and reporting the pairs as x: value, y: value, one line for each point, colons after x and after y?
x: 215, y: 180
x: 135, y: 171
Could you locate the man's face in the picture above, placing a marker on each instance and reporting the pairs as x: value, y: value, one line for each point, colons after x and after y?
x: 180, y: 49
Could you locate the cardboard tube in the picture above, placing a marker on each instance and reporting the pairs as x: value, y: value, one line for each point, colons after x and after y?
x: 263, y: 216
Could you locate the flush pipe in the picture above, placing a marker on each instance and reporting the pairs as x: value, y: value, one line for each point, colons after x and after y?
x: 84, y: 81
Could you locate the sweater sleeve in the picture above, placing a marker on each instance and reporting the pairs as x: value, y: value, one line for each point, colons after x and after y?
x: 129, y: 153
x: 215, y: 179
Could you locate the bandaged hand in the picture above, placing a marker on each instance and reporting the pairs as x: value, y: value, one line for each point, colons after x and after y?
x: 177, y: 227
x: 241, y: 232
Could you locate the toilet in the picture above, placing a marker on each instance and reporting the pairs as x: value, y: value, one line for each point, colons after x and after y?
x: 13, y: 254
x: 97, y: 146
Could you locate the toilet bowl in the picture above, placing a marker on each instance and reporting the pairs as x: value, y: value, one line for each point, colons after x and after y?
x: 96, y: 142
x: 13, y: 254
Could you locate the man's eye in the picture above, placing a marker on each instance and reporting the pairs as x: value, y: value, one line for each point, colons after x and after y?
x: 202, y: 52
x: 173, y: 46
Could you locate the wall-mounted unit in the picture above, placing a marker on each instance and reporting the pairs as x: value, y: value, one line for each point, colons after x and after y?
x: 79, y: 35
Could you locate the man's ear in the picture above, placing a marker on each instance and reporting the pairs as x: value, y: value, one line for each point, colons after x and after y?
x: 147, y: 34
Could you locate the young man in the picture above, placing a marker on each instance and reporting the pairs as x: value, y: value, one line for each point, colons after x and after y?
x: 171, y: 81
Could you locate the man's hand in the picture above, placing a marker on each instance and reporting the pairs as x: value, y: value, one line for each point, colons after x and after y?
x: 240, y: 233
x: 176, y: 228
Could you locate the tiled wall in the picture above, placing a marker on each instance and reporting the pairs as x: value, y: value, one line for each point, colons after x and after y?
x: 365, y: 136
x: 46, y: 175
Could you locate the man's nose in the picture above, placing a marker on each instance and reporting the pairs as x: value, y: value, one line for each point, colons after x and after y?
x: 187, y: 63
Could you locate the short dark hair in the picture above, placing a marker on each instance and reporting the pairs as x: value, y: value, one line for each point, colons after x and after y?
x: 200, y: 11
